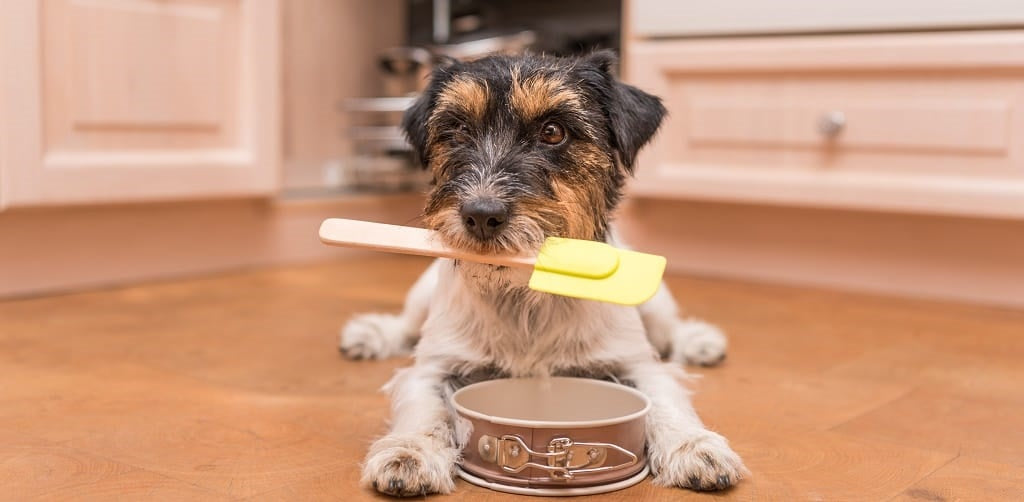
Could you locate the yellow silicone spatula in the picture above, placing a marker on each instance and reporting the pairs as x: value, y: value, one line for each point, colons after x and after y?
x: 567, y: 267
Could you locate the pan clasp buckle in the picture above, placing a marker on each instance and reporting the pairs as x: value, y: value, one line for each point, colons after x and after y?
x: 564, y: 459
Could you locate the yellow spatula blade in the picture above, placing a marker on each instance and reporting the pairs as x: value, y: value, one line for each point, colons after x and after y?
x: 596, y: 271
x: 590, y: 259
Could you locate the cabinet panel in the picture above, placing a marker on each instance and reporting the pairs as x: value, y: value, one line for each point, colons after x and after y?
x: 110, y: 87
x: 143, y: 99
x: 960, y: 124
x: 136, y: 74
x: 790, y: 114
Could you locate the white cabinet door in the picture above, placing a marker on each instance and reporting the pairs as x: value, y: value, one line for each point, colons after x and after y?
x: 118, y: 100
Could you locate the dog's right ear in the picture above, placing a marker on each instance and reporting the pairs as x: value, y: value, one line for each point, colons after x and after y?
x: 634, y: 116
x: 414, y: 122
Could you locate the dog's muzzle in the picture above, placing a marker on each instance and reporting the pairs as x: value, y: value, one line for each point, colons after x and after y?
x: 553, y: 436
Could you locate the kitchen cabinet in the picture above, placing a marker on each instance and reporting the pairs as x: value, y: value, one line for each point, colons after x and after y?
x: 131, y: 100
x: 838, y: 108
x: 922, y: 122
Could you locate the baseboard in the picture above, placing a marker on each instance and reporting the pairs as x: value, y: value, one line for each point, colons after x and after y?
x: 51, y: 250
x: 977, y: 260
x: 963, y: 259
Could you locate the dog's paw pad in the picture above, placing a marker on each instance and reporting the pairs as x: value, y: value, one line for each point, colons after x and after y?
x: 402, y: 469
x: 373, y: 336
x: 697, y: 342
x: 399, y: 478
x: 703, y: 464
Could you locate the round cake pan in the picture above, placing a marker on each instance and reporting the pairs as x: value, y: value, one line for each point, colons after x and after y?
x: 553, y: 436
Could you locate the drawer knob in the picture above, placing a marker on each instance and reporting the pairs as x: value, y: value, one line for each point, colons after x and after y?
x: 832, y: 123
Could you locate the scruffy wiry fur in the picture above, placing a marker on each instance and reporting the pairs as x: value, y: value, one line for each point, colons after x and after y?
x: 477, y: 129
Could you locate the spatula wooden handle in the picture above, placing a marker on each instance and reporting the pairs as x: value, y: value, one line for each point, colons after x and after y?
x: 405, y: 240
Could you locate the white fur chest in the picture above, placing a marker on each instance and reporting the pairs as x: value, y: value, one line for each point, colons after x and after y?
x: 481, y: 316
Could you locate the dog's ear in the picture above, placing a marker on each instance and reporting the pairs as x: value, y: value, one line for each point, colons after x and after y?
x: 414, y: 125
x: 633, y: 115
x: 414, y: 122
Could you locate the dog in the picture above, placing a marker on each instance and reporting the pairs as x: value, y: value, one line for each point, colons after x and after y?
x: 521, y: 148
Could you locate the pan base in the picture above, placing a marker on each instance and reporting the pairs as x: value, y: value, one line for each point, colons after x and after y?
x: 556, y: 492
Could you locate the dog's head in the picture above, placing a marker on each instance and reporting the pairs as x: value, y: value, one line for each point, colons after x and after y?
x: 526, y: 147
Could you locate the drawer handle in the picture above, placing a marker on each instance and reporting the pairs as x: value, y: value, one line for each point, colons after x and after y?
x: 832, y: 123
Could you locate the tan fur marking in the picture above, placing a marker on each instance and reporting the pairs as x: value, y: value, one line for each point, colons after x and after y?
x: 465, y: 94
x: 533, y: 96
x: 580, y: 192
x: 438, y: 157
x: 579, y: 224
x: 591, y: 159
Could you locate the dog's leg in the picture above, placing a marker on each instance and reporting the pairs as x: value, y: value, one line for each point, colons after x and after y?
x: 418, y: 456
x: 680, y: 340
x: 379, y: 336
x: 681, y: 451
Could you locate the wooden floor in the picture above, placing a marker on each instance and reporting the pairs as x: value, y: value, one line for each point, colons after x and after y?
x: 231, y: 388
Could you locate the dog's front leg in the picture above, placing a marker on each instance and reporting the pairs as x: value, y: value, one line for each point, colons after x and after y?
x: 680, y: 340
x: 380, y: 336
x: 681, y: 451
x: 418, y: 456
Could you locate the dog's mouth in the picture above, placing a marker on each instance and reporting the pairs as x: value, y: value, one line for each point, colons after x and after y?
x: 521, y: 236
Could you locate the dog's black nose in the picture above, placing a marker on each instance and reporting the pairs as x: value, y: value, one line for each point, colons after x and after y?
x: 484, y: 218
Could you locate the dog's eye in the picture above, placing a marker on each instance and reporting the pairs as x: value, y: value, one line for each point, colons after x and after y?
x: 552, y: 133
x: 460, y: 133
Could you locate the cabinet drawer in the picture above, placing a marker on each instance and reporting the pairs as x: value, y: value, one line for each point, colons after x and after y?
x: 665, y: 18
x: 923, y: 122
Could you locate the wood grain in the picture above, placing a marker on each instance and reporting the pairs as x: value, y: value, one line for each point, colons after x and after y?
x: 35, y: 469
x: 230, y: 387
x: 968, y: 479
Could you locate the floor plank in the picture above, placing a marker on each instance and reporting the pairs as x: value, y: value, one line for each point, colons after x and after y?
x: 935, y: 418
x: 968, y: 479
x: 231, y: 387
x: 32, y: 469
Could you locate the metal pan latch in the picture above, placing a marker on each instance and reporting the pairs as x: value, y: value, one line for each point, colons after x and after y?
x: 564, y: 458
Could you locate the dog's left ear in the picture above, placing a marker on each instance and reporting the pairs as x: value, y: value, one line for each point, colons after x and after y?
x: 414, y: 121
x: 633, y: 115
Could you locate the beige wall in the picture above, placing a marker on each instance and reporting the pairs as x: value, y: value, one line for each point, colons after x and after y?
x: 329, y: 53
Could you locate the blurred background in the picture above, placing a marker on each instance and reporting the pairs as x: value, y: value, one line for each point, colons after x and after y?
x: 871, y: 146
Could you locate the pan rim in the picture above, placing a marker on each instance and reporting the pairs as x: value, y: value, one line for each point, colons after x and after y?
x: 553, y: 424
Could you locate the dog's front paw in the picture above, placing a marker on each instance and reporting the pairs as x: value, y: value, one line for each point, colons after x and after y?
x: 703, y: 463
x: 407, y: 466
x: 697, y: 342
x: 375, y: 336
